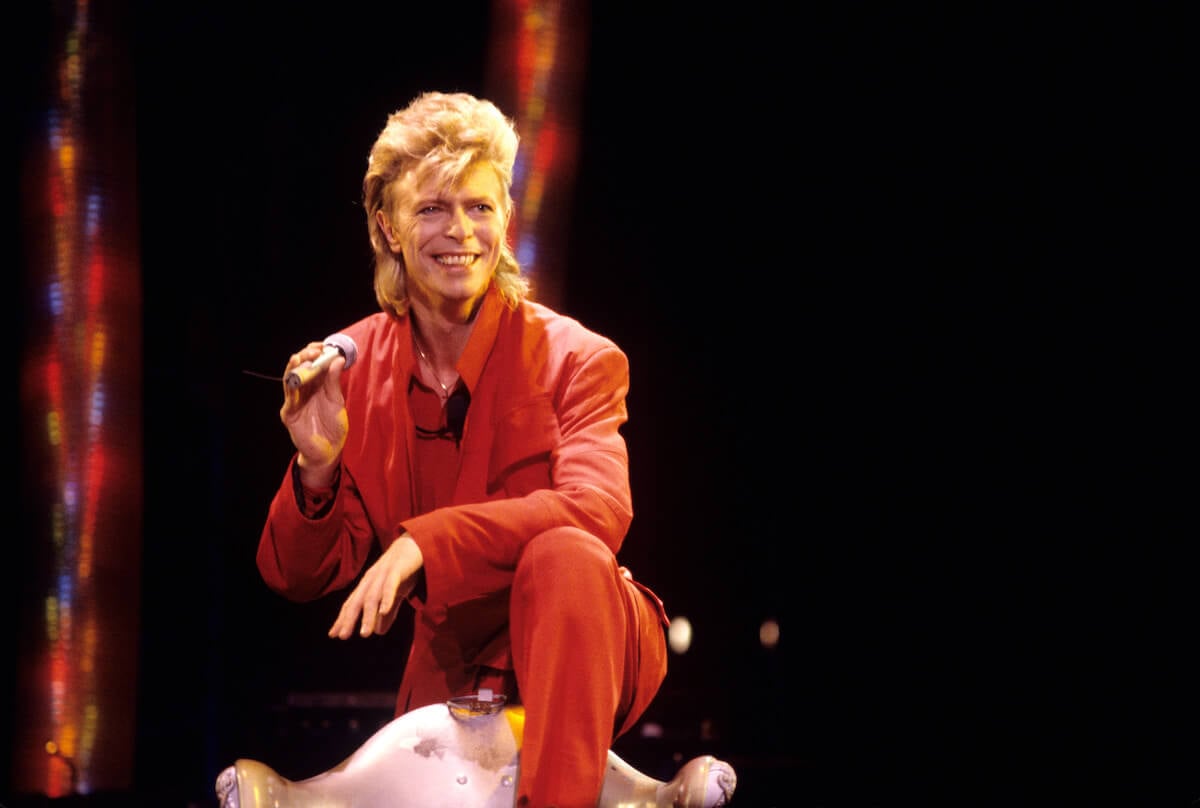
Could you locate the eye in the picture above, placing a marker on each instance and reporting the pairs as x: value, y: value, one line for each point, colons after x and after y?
x: 428, y: 210
x: 483, y: 207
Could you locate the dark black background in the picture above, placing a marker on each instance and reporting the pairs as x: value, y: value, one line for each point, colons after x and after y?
x: 889, y: 279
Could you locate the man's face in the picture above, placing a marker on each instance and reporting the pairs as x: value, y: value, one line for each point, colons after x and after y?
x: 452, y: 237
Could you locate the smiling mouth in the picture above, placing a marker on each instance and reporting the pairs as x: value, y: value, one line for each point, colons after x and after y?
x: 456, y: 260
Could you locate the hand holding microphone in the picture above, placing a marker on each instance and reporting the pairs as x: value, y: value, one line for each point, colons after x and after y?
x: 335, y: 345
x: 316, y: 418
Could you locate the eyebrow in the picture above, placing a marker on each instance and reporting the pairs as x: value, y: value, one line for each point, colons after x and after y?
x: 442, y: 201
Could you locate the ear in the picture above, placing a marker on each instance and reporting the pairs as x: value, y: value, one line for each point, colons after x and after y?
x: 385, y: 227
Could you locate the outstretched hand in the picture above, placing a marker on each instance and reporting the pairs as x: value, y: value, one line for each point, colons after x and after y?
x: 377, y: 598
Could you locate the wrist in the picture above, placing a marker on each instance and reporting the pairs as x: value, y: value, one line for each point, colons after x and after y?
x: 317, y: 474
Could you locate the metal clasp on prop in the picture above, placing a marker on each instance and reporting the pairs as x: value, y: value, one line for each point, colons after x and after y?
x: 485, y: 702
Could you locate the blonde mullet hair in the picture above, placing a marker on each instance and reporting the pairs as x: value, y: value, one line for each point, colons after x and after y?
x: 438, y: 135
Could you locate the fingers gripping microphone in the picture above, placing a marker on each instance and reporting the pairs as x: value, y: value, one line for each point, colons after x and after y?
x: 335, y: 345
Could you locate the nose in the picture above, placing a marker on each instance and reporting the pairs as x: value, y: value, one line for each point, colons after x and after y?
x: 460, y: 225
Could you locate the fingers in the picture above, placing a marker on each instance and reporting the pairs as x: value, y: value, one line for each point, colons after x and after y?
x: 373, y: 605
x: 391, y: 590
x: 294, y: 396
x: 343, y: 626
x: 376, y: 600
x: 359, y: 604
x: 370, y: 614
x: 385, y: 621
x: 309, y: 353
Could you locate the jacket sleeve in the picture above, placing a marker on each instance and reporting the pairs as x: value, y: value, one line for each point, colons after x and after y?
x: 471, y: 550
x: 303, y: 558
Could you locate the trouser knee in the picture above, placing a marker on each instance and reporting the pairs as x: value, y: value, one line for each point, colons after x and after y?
x: 563, y: 561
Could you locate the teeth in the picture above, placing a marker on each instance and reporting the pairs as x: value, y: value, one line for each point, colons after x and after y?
x: 457, y: 260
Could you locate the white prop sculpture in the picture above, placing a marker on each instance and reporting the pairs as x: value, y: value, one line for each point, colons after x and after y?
x: 461, y: 754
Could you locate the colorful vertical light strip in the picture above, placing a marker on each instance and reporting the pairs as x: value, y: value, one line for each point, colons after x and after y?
x: 537, y: 54
x: 76, y: 673
x: 72, y: 369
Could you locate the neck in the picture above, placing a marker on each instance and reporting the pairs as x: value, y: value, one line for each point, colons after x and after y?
x: 442, y: 312
x: 440, y: 342
x: 442, y: 331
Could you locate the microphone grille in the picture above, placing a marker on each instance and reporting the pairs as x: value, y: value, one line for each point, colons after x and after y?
x: 346, y: 345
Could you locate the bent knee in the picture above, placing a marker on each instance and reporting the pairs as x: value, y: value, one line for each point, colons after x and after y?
x: 562, y: 555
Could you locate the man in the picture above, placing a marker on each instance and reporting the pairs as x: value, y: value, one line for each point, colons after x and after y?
x: 474, y: 448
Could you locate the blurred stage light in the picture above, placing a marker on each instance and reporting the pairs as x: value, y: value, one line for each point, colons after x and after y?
x: 768, y: 634
x: 679, y: 635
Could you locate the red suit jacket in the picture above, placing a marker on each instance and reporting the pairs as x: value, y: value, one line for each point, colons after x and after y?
x: 540, y: 449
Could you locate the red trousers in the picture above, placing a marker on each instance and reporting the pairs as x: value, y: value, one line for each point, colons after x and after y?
x: 589, y: 651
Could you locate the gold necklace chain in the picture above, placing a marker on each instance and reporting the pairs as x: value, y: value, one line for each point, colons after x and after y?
x: 445, y: 394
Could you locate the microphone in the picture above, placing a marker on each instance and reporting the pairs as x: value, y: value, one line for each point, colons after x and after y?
x: 335, y: 345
